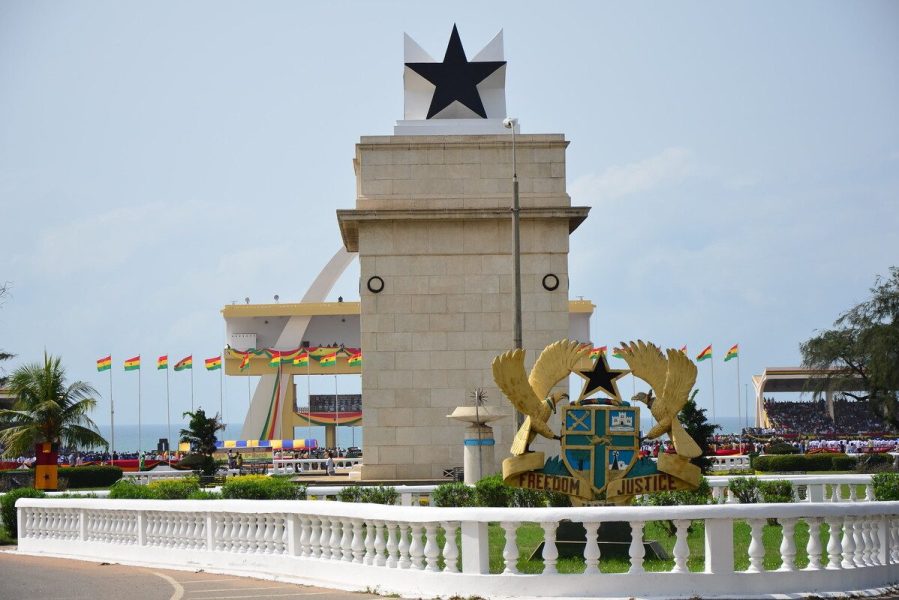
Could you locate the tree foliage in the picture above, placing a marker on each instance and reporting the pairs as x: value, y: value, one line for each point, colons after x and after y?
x: 694, y: 421
x: 862, y: 351
x: 201, y: 432
x: 48, y: 410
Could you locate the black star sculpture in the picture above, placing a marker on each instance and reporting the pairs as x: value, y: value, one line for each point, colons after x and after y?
x: 456, y: 79
x: 601, y: 377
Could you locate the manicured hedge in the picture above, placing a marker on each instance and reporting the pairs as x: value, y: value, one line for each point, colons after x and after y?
x: 175, y: 489
x: 8, y: 507
x: 376, y: 494
x: 825, y: 461
x: 91, y: 476
x: 260, y: 487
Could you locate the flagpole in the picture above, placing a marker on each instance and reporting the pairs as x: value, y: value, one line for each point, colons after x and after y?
x: 712, y: 366
x: 308, y: 399
x: 738, y: 388
x: 111, y: 419
x: 336, y: 411
x: 222, y: 392
x: 139, y: 440
x: 192, y: 384
x: 168, y: 412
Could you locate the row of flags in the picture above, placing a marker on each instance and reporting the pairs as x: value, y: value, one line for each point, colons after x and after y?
x: 298, y: 358
x: 706, y: 353
x: 162, y: 363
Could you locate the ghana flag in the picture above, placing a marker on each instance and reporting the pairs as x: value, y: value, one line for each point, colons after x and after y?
x: 162, y: 362
x: 595, y: 352
x: 328, y: 361
x: 618, y: 353
x: 301, y: 360
x: 276, y: 359
x: 105, y: 363
x: 185, y: 363
x: 355, y: 360
x: 245, y: 362
x: 705, y: 354
x: 734, y: 352
x: 683, y: 348
x: 214, y: 363
x: 133, y: 364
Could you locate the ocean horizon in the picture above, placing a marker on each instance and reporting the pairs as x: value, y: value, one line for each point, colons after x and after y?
x: 127, y: 435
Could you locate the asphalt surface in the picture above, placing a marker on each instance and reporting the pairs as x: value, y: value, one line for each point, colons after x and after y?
x: 31, y: 577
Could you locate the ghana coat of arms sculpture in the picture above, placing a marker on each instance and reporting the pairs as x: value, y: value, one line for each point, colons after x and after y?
x: 599, y: 455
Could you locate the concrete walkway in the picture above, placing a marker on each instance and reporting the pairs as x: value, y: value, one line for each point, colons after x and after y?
x: 63, y: 579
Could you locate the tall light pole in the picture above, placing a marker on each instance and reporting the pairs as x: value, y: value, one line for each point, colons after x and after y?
x: 510, y: 123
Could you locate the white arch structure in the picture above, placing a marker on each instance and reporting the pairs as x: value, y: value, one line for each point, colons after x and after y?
x: 291, y: 336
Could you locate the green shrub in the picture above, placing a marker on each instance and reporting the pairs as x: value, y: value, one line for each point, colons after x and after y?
x: 204, y: 495
x: 350, y: 493
x: 90, y: 476
x: 453, y: 494
x: 781, y: 448
x: 491, y: 491
x: 886, y: 486
x: 525, y: 498
x: 8, y: 507
x: 822, y: 461
x: 201, y: 462
x: 874, y: 463
x: 745, y: 489
x: 124, y: 489
x: 175, y: 489
x: 260, y: 487
x: 780, y: 491
x: 841, y: 462
x: 379, y: 494
x: 701, y: 495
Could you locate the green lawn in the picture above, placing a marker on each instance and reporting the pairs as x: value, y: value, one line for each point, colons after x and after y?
x: 530, y: 535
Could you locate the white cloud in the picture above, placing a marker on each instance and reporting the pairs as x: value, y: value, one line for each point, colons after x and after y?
x: 669, y: 167
x: 108, y: 239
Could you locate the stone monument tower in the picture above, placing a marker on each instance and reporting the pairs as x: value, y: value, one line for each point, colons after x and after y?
x: 433, y: 229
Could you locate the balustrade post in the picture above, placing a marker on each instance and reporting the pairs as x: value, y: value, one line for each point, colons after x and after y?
x: 294, y: 534
x: 346, y: 540
x: 315, y: 537
x: 210, y: 531
x: 869, y: 493
x: 403, y: 547
x: 815, y: 492
x: 636, y: 550
x: 681, y: 547
x: 719, y: 546
x: 814, y: 544
x: 550, y: 552
x: 591, y: 549
x: 858, y: 537
x: 835, y: 495
x: 756, y: 546
x: 881, y: 536
x: 475, y: 551
x: 380, y: 559
x: 848, y: 543
x: 510, y: 549
x: 82, y: 525
x: 371, y: 531
x: 450, y: 549
x: 866, y: 542
x: 358, y: 544
x: 834, y: 545
x: 392, y: 545
x: 432, y: 550
x: 853, y: 493
x: 787, y: 545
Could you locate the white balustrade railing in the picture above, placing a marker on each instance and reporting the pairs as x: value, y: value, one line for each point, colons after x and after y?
x: 806, y: 488
x: 429, y: 552
x: 733, y: 462
x: 282, y: 466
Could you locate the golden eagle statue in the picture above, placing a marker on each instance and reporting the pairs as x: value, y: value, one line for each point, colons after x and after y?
x: 528, y: 393
x: 671, y: 379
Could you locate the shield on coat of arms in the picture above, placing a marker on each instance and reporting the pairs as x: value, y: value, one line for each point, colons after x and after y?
x: 600, y: 442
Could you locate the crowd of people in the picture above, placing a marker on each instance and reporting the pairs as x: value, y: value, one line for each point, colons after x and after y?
x: 811, y: 417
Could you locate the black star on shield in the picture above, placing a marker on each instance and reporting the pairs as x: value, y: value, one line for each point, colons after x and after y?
x: 601, y: 377
x: 456, y: 79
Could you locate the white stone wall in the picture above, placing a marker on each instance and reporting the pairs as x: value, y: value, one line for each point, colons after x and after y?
x: 447, y: 305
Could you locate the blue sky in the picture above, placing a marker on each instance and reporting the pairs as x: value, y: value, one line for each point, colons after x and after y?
x: 160, y: 160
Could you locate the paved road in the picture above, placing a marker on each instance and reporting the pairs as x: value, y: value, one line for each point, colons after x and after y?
x: 30, y: 577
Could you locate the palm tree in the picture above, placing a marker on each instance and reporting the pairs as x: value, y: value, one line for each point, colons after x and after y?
x: 48, y: 410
